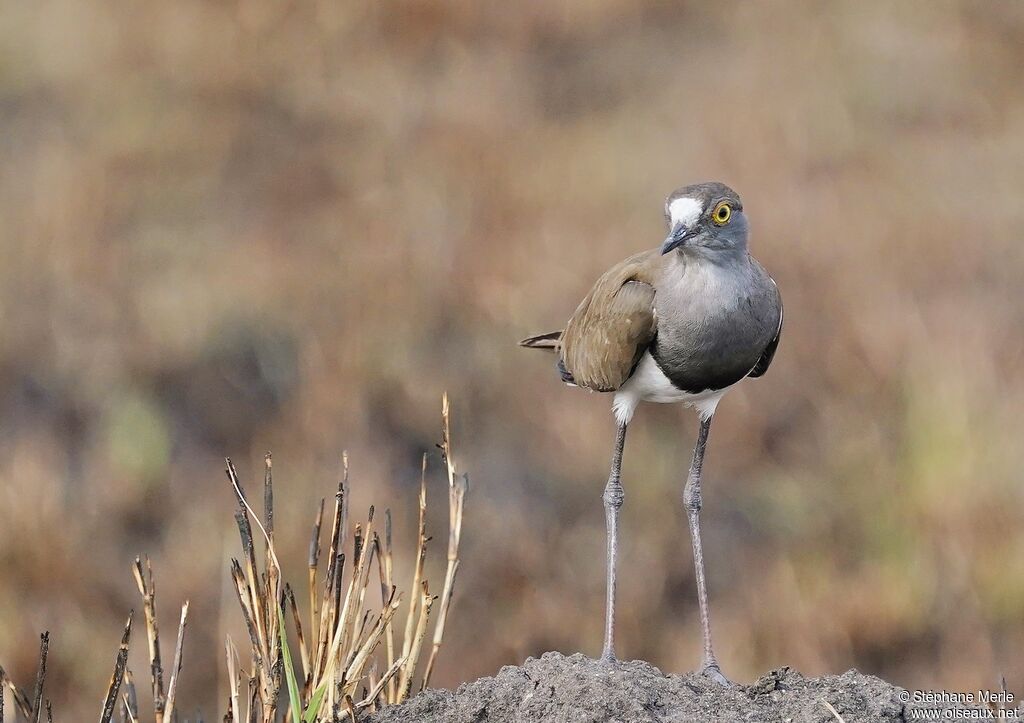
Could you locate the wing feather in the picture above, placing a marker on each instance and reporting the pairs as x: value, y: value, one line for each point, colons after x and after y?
x: 769, y: 351
x: 612, y: 327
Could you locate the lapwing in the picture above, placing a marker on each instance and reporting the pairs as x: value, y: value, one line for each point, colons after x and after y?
x: 682, y: 323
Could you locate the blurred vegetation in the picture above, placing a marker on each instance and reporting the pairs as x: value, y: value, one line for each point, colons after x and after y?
x: 245, y: 225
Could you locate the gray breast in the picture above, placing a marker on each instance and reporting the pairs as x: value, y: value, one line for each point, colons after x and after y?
x: 714, y: 321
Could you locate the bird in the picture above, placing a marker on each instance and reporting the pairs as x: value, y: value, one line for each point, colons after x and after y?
x: 685, y: 322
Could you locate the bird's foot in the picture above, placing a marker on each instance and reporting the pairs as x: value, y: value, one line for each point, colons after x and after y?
x: 712, y: 671
x: 608, y: 657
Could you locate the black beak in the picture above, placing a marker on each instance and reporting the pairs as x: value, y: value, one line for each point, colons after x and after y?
x: 676, y: 238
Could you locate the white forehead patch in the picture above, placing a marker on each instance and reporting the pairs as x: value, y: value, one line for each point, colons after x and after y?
x: 685, y: 211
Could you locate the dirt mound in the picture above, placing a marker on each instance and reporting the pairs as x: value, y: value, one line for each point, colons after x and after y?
x: 577, y: 689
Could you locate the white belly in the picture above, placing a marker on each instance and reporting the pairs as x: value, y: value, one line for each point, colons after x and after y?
x: 649, y: 384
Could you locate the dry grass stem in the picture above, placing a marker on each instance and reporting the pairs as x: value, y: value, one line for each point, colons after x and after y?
x: 22, y: 704
x: 314, y: 563
x: 388, y: 589
x: 297, y: 621
x: 128, y: 714
x: 426, y: 602
x: 37, y: 697
x: 834, y: 712
x: 110, y: 701
x: 268, y: 497
x: 144, y: 581
x: 234, y: 711
x: 457, y: 488
x: 260, y: 597
x: 176, y: 670
x: 130, y: 698
x: 421, y: 553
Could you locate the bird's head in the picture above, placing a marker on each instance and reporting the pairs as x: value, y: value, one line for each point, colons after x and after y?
x: 705, y: 216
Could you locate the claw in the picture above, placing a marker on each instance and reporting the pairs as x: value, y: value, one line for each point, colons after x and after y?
x: 711, y: 670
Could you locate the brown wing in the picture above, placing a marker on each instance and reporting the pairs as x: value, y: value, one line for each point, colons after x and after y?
x: 612, y: 327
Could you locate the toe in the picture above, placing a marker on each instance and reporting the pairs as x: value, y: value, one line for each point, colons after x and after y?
x: 714, y: 672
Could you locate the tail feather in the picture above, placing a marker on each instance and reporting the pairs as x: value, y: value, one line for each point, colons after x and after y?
x: 551, y: 340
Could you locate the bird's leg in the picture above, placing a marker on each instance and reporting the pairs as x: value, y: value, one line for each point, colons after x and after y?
x: 692, y: 502
x: 613, y: 496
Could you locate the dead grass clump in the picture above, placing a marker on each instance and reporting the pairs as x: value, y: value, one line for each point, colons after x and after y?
x: 350, y: 657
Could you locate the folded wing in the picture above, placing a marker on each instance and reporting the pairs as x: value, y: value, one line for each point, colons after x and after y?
x: 612, y: 327
x: 769, y: 353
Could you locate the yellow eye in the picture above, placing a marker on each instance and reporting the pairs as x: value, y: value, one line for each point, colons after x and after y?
x: 722, y: 214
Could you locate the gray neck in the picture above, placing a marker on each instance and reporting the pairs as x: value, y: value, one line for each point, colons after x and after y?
x: 721, y: 256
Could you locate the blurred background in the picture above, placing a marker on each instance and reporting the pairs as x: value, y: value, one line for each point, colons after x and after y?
x: 228, y: 227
